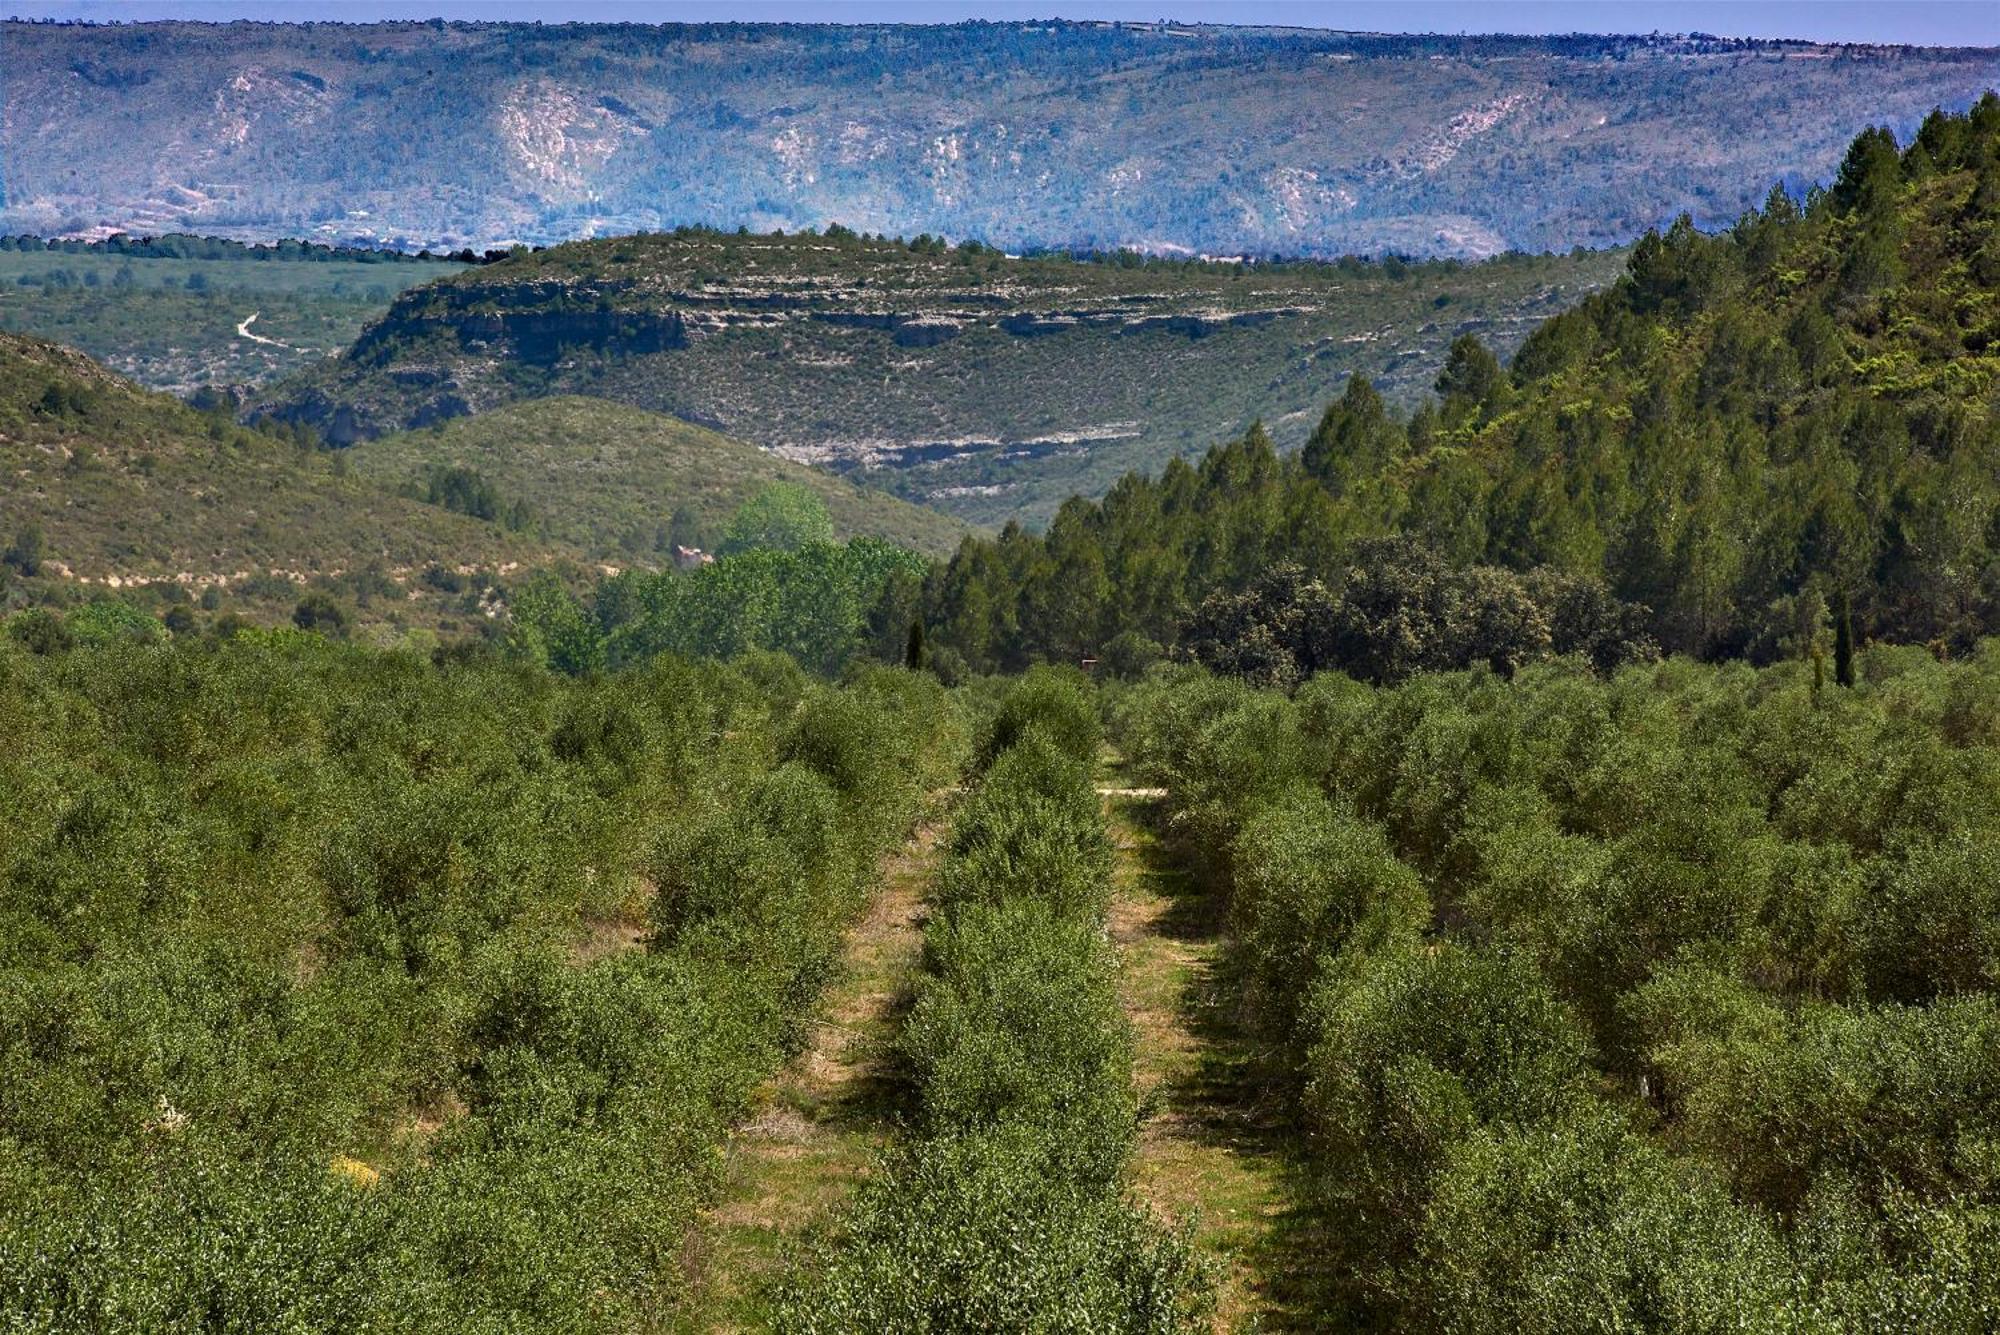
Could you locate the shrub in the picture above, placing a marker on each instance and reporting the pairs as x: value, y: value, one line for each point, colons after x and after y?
x: 40, y: 631
x: 1900, y: 1095
x: 1057, y: 700
x: 1575, y: 1225
x: 1418, y: 1048
x: 1931, y: 922
x: 320, y: 612
x: 27, y: 551
x: 752, y: 857
x: 1698, y: 1029
x: 979, y: 1232
x: 108, y: 621
x: 330, y: 1004
x: 1017, y: 1020
x: 1308, y: 877
x: 1033, y: 828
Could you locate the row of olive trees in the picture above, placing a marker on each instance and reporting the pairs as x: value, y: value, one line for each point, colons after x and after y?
x: 1657, y: 1002
x: 1006, y: 1208
x: 351, y: 991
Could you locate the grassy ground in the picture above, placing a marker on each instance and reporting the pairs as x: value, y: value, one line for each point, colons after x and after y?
x: 824, y: 1118
x: 172, y: 323
x: 607, y: 478
x: 1211, y: 1145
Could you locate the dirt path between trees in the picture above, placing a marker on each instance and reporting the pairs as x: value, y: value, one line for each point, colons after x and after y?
x: 821, y: 1121
x: 1209, y: 1142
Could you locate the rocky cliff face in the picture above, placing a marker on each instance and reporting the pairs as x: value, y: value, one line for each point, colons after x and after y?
x: 964, y: 378
x: 440, y: 346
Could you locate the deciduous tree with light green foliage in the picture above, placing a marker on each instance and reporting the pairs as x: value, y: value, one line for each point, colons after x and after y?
x: 782, y: 516
x: 815, y: 603
x: 551, y: 627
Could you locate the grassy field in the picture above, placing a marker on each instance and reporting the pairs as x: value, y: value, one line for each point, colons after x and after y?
x: 173, y: 323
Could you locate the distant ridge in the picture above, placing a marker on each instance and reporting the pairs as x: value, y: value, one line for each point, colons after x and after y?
x: 1176, y: 139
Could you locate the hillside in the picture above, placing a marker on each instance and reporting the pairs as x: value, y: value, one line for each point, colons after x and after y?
x: 1795, y: 413
x: 620, y: 483
x: 1778, y: 441
x: 129, y: 487
x: 1172, y: 137
x: 983, y: 384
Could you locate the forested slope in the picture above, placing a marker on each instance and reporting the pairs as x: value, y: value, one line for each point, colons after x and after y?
x: 1750, y: 441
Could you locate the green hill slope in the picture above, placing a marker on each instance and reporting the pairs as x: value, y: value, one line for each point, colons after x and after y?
x: 623, y: 484
x: 987, y: 385
x: 110, y: 485
x: 1796, y: 413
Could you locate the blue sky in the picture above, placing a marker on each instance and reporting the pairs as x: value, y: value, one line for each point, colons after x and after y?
x: 1919, y: 22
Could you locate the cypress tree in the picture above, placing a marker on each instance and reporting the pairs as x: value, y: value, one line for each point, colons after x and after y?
x: 914, y: 652
x: 1843, y: 642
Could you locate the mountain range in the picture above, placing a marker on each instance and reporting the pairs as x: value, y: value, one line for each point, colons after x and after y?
x: 1169, y: 138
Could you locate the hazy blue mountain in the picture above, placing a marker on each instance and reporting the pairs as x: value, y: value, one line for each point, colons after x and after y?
x: 1213, y: 139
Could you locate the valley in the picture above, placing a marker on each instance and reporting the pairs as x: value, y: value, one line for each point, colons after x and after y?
x: 732, y: 769
x: 183, y: 323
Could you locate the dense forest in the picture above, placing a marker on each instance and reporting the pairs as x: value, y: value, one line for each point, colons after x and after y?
x: 1752, y: 440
